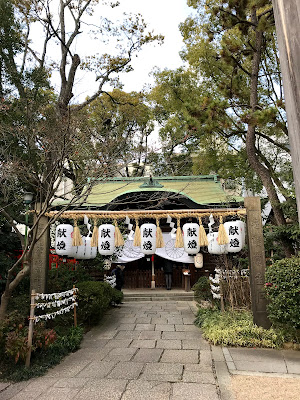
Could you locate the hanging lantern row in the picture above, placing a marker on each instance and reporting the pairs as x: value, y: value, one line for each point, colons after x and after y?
x: 235, y: 231
x: 229, y: 239
x: 63, y: 244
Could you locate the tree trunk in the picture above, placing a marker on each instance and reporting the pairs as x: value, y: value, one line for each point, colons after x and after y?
x: 253, y: 159
x: 10, y: 286
x: 4, y: 304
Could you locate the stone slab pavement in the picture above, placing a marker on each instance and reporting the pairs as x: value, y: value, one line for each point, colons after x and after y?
x: 255, y: 361
x: 153, y: 349
x: 139, y: 350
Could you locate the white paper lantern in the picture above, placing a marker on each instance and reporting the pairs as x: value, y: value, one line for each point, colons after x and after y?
x: 148, y: 238
x: 236, y: 233
x: 84, y: 252
x: 63, y: 239
x: 106, y: 239
x: 78, y: 252
x: 243, y: 232
x: 198, y: 260
x: 191, y: 238
x: 213, y: 245
x: 91, y: 252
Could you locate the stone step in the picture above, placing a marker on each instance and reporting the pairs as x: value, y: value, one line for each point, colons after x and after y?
x: 159, y: 294
x: 182, y: 298
x: 152, y: 296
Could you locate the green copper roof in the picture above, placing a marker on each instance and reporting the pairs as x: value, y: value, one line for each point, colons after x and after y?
x: 200, y: 189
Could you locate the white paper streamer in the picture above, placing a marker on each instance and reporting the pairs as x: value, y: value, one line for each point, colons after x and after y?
x: 58, y: 299
x: 211, y: 222
x: 215, y: 280
x: 56, y: 303
x: 172, y: 225
x: 111, y: 280
x: 55, y: 296
x: 49, y: 316
x: 129, y: 227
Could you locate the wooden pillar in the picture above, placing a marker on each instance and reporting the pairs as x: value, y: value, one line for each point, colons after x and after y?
x: 30, y: 329
x: 153, y: 273
x: 257, y: 261
x: 40, y: 259
x: 287, y: 20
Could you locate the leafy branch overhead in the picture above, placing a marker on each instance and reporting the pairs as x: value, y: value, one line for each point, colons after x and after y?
x: 226, y: 107
x: 42, y: 149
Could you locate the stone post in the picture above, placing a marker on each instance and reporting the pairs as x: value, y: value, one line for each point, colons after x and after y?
x: 40, y: 259
x: 257, y: 261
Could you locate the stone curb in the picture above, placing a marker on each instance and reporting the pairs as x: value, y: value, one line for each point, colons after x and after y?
x: 234, y: 371
x: 265, y: 374
x: 4, y: 386
x: 222, y: 373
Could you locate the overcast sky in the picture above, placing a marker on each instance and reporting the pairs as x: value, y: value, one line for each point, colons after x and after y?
x: 164, y: 17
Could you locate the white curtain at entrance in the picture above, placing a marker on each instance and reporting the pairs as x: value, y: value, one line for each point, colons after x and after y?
x: 170, y: 252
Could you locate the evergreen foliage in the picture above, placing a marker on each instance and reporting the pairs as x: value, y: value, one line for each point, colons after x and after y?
x: 283, y: 291
x: 236, y: 329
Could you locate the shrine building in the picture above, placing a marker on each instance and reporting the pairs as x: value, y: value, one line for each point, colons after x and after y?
x: 149, y: 194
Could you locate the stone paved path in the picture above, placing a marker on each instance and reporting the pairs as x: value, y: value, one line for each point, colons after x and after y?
x: 141, y: 350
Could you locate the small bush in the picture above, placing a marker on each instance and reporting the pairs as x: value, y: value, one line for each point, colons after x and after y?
x: 14, y: 337
x: 236, y: 329
x: 20, y: 302
x: 70, y: 342
x: 44, y: 359
x: 93, y: 300
x: 65, y: 277
x: 202, y: 289
x: 283, y: 291
x: 117, y: 296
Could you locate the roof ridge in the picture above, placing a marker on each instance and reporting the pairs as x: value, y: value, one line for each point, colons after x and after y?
x: 189, y: 178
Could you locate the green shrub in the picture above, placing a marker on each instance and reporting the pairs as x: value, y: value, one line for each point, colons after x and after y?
x: 93, y: 300
x: 70, y: 342
x: 11, y: 322
x: 283, y: 291
x: 20, y: 303
x: 117, y: 296
x: 14, y: 337
x: 202, y: 289
x: 236, y: 329
x: 43, y: 360
x: 64, y: 277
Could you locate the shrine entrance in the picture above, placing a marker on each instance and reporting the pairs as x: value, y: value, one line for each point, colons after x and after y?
x: 252, y: 212
x: 138, y: 273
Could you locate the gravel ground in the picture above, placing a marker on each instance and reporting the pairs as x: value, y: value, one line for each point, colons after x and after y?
x: 265, y: 388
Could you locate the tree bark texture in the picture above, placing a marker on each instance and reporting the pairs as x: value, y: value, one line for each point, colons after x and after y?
x: 254, y: 161
x: 287, y: 20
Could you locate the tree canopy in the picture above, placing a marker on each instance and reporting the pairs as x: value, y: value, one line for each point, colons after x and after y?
x: 42, y: 139
x: 226, y: 106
